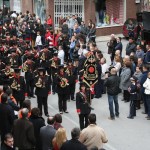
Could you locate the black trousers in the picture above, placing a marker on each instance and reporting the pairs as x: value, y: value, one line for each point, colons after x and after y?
x: 71, y: 91
x: 62, y: 102
x: 126, y: 95
x: 42, y: 101
x: 53, y: 83
x: 133, y: 99
x: 30, y: 87
x: 83, y: 120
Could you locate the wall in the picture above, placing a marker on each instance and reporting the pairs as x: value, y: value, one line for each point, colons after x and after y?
x: 27, y: 5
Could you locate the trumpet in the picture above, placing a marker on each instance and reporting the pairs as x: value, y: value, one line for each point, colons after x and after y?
x: 25, y: 67
x: 9, y: 72
x: 64, y: 82
x: 43, y: 57
x: 53, y: 64
x: 15, y: 85
x: 39, y: 83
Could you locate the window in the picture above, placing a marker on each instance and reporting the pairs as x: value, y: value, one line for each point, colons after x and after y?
x: 109, y: 12
x: 67, y: 8
x: 145, y: 5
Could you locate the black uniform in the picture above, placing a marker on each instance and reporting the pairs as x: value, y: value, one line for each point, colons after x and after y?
x: 83, y: 108
x: 72, y: 77
x: 28, y: 68
x: 62, y: 90
x: 42, y: 84
x: 55, y: 62
x: 19, y: 88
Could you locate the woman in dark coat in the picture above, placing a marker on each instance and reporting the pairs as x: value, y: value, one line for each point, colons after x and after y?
x: 82, y: 106
x: 38, y: 122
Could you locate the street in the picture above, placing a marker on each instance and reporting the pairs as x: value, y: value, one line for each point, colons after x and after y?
x: 123, y: 133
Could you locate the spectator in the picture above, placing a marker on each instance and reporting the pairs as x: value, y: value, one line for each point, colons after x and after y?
x: 49, y: 21
x: 8, y: 143
x: 74, y: 143
x: 38, y: 41
x: 23, y: 132
x: 37, y: 122
x: 131, y: 46
x: 59, y: 139
x: 61, y: 54
x: 119, y: 45
x: 58, y: 121
x: 112, y: 83
x: 7, y: 116
x: 92, y: 33
x: 47, y: 134
x: 93, y: 135
x: 146, y: 85
x: 72, y: 22
x: 147, y: 55
x: 139, y: 52
x: 125, y: 80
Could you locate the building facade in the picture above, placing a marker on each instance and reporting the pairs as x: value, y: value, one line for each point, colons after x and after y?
x: 108, y: 15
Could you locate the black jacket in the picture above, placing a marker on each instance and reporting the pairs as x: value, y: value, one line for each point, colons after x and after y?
x: 6, y: 119
x: 23, y: 132
x: 5, y: 147
x: 73, y: 144
x: 82, y: 105
x: 38, y: 122
x: 112, y: 84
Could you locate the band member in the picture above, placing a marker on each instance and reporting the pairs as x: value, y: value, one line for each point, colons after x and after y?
x: 28, y: 68
x: 45, y: 55
x: 82, y: 106
x: 42, y: 84
x: 62, y: 89
x: 18, y: 86
x: 7, y: 74
x: 55, y: 62
x: 71, y: 71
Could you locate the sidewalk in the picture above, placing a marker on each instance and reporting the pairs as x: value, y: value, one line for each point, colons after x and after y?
x: 107, y: 38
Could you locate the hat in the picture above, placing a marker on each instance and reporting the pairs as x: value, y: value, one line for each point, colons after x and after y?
x: 29, y: 57
x: 21, y: 36
x: 17, y: 70
x: 82, y: 84
x: 28, y: 42
x: 60, y: 66
x: 13, y: 50
x: 41, y: 69
x: 45, y: 46
x: 55, y: 54
x: 8, y: 63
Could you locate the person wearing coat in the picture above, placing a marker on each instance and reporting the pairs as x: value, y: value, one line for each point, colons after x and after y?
x: 47, y: 133
x: 7, y: 116
x: 82, y: 106
x: 23, y: 132
x: 125, y: 80
x: 146, y: 85
x: 18, y: 86
x: 37, y: 122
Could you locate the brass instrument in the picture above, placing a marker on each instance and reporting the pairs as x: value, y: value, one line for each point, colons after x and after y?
x: 9, y: 72
x: 43, y: 57
x: 68, y: 72
x: 15, y: 85
x: 25, y: 67
x: 53, y: 64
x: 39, y: 83
x: 64, y: 82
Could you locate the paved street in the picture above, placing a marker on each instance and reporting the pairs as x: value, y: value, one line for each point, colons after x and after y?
x: 123, y: 133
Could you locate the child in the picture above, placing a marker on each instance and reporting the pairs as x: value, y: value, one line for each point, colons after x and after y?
x: 133, y: 97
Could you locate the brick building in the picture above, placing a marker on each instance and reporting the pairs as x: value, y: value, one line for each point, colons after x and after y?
x: 109, y: 15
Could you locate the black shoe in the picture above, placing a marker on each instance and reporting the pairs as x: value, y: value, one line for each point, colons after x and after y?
x: 53, y: 93
x: 148, y: 118
x: 47, y: 115
x: 61, y: 112
x: 73, y: 99
x: 111, y: 118
x: 66, y: 111
x: 92, y: 108
x: 143, y: 112
x: 130, y: 117
x: 33, y: 96
x: 117, y: 116
x: 29, y: 97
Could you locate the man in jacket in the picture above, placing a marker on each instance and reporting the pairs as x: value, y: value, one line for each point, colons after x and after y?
x: 6, y: 116
x: 23, y: 132
x: 112, y: 83
x: 47, y: 134
x: 74, y: 143
x: 93, y: 135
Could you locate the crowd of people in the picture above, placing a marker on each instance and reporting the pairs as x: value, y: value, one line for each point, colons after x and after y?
x: 36, y: 59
